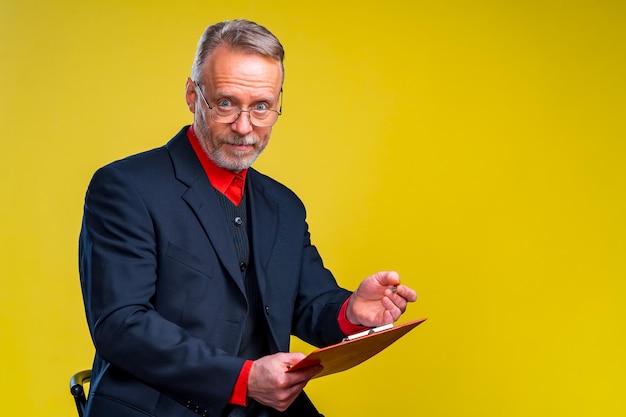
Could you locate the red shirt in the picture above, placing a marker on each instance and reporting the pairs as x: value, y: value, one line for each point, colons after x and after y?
x: 224, y: 181
x: 221, y: 179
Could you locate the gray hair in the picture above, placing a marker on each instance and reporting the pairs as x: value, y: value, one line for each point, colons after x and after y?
x: 239, y: 35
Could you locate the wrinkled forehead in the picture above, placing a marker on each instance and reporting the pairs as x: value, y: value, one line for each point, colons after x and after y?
x: 230, y: 68
x: 239, y: 61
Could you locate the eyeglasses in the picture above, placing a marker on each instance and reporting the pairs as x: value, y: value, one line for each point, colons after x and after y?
x: 226, y: 112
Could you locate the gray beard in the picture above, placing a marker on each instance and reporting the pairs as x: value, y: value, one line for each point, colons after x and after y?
x: 238, y: 165
x: 221, y: 160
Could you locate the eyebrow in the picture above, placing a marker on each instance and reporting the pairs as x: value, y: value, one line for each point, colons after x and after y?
x: 264, y: 99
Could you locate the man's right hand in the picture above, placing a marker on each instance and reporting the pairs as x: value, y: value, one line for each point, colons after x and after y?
x: 271, y: 385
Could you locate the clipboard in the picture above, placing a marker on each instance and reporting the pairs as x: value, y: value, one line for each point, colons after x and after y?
x: 354, y: 349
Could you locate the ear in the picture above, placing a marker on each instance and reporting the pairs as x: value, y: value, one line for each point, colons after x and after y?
x: 191, y: 95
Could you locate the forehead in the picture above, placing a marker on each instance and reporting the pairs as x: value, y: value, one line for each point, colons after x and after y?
x: 231, y: 71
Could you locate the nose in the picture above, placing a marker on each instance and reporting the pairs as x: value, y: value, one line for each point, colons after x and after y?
x: 243, y: 124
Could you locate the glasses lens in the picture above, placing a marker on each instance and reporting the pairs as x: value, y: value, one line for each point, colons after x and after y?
x: 223, y: 114
x: 264, y: 118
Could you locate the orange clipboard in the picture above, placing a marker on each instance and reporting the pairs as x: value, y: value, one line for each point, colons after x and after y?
x: 351, y: 352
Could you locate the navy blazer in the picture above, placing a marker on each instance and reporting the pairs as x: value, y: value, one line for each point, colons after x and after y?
x: 163, y: 292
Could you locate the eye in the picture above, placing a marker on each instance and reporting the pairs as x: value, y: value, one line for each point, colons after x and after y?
x: 224, y: 103
x: 261, y: 107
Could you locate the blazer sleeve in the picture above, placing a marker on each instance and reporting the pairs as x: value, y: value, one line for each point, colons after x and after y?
x: 118, y: 268
x: 319, y: 299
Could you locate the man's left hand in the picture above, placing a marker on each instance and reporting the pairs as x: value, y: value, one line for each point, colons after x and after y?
x: 380, y: 299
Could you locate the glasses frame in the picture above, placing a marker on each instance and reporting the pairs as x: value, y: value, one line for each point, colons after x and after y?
x: 278, y: 112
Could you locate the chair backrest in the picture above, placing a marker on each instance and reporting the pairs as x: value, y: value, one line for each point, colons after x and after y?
x: 77, y: 389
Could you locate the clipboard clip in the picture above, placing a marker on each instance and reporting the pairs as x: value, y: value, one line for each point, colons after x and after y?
x: 367, y: 332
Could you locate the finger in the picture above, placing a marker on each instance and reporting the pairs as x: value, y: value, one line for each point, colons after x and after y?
x: 390, y: 291
x: 399, y: 300
x: 290, y: 358
x: 303, y: 375
x: 394, y: 289
x: 406, y: 293
x: 394, y: 310
x: 388, y: 317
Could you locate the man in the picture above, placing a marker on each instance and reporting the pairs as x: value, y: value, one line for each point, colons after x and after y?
x: 196, y: 268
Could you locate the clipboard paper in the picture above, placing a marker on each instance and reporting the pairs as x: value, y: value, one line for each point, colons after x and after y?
x: 347, y: 354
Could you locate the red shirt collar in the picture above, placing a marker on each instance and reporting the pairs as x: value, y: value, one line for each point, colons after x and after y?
x: 220, y: 178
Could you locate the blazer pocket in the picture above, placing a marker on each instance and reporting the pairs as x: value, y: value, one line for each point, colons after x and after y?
x: 178, y: 254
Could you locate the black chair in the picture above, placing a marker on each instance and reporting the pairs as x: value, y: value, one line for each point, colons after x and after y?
x: 77, y: 388
x: 79, y: 379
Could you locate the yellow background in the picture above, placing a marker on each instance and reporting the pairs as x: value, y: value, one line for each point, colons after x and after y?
x: 476, y: 147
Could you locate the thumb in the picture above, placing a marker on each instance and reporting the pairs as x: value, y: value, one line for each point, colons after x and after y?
x: 388, y: 278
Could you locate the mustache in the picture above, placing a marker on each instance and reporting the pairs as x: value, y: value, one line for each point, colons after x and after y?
x: 240, y: 140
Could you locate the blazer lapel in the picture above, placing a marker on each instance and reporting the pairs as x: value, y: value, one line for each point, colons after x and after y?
x: 201, y: 198
x: 264, y: 221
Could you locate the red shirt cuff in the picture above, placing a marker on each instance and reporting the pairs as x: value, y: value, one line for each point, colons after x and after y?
x: 240, y: 391
x: 345, y: 325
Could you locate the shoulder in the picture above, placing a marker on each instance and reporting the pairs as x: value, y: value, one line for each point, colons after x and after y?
x: 153, y: 164
x: 139, y: 173
x: 145, y: 158
x: 136, y: 168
